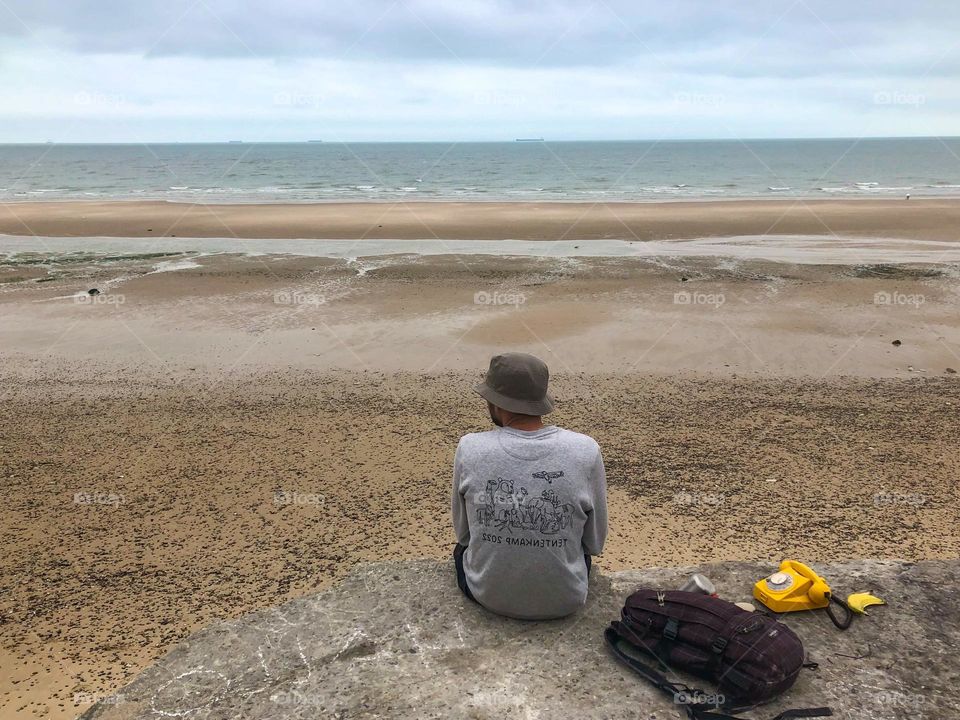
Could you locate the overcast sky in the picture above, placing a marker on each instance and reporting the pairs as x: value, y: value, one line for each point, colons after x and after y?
x: 215, y: 70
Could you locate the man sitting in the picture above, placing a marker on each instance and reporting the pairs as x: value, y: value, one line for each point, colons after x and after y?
x: 529, y: 500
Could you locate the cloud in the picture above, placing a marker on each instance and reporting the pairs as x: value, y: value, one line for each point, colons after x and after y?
x: 524, y: 33
x: 476, y: 68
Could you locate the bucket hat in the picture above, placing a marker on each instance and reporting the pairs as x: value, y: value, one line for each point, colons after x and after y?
x: 517, y: 382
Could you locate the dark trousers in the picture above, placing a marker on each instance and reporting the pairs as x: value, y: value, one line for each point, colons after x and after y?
x: 459, y: 550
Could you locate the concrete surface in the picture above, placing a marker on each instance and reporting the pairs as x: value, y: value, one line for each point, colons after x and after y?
x: 399, y: 641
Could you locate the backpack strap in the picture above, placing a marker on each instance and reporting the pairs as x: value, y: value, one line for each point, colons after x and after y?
x: 656, y: 679
x: 659, y: 681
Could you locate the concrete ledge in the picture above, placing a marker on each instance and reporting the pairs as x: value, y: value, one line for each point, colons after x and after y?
x: 399, y: 641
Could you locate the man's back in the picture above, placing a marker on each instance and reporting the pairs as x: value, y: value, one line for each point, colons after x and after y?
x: 529, y: 505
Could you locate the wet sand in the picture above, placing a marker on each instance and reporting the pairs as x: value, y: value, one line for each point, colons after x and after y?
x: 928, y: 219
x: 429, y: 314
x: 217, y: 433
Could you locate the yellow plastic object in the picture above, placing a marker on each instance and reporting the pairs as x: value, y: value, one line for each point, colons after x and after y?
x: 858, y: 602
x: 793, y: 587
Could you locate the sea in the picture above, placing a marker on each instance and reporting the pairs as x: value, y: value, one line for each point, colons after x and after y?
x: 628, y: 171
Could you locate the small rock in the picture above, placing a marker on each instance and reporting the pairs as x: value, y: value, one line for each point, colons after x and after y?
x: 950, y: 371
x: 896, y: 343
x: 683, y: 279
x: 93, y: 291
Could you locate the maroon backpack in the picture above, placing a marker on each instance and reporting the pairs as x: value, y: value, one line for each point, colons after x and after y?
x: 750, y: 656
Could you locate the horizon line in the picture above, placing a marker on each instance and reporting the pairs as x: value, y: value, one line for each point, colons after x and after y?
x: 464, y: 142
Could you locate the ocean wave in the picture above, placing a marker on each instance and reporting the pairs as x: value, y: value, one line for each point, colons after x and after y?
x: 586, y: 192
x: 175, y: 265
x: 866, y: 188
x: 683, y: 189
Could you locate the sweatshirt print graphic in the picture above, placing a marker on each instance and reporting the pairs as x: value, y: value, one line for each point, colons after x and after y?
x: 508, y: 506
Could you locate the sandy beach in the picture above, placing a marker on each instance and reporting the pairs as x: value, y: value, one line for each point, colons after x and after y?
x: 216, y: 432
x: 253, y: 264
x: 928, y: 219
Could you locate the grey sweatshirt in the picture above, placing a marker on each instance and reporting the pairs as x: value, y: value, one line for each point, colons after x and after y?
x: 529, y: 505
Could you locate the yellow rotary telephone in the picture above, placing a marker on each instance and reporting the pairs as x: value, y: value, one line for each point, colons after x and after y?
x: 796, y: 587
x: 793, y: 587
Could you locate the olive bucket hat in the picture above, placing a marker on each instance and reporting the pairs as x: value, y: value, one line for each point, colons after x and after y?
x: 517, y: 382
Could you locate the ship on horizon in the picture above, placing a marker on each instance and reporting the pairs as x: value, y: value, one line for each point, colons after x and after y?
x: 528, y: 140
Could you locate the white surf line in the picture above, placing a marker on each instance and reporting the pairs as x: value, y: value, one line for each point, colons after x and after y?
x: 799, y: 249
x: 104, y: 286
x: 188, y: 263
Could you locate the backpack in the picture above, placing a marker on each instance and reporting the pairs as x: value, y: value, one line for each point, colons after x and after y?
x: 750, y: 656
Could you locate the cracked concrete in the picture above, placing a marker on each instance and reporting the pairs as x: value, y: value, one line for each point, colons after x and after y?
x: 399, y: 641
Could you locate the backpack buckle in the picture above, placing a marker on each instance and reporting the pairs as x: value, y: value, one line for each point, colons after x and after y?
x: 661, y: 596
x: 719, y: 645
x: 671, y: 629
